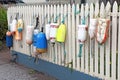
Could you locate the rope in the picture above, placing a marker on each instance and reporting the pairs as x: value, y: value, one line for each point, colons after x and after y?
x: 49, y: 21
x: 92, y: 47
x: 76, y: 12
x: 80, y: 50
x: 56, y: 18
x: 44, y: 20
x: 30, y: 52
x: 84, y: 19
x: 63, y: 45
x: 54, y: 52
x: 63, y: 20
x: 37, y: 22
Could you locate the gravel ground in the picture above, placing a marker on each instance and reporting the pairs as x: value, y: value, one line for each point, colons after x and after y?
x: 12, y: 71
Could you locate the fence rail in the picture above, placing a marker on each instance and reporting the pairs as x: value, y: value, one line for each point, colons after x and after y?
x: 102, y: 61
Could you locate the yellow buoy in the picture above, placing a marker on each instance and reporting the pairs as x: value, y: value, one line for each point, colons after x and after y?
x: 20, y: 25
x: 61, y: 33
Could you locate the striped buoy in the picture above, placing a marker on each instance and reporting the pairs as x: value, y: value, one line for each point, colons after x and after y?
x: 20, y: 25
x: 53, y: 32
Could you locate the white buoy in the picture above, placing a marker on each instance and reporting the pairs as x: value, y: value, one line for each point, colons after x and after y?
x: 82, y: 33
x: 29, y: 34
x: 92, y: 27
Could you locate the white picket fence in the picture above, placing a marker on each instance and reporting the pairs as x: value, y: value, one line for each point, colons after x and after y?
x: 104, y: 64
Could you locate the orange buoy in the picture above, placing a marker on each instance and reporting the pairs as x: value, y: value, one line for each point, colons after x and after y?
x: 18, y: 35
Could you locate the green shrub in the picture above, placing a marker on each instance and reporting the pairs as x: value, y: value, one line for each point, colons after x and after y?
x: 3, y: 22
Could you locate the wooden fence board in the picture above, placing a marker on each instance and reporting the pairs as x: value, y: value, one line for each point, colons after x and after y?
x: 114, y: 40
x: 102, y: 15
x: 107, y: 44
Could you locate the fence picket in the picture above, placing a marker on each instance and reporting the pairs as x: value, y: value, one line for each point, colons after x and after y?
x: 32, y: 23
x: 91, y: 42
x: 82, y: 57
x: 119, y: 49
x: 51, y: 51
x: 73, y: 36
x: 66, y: 42
x: 58, y: 48
x: 114, y: 39
x: 48, y: 19
x: 61, y: 49
x: 69, y: 31
x: 102, y: 15
x: 77, y: 43
x: 96, y: 44
x: 87, y: 41
x: 107, y: 44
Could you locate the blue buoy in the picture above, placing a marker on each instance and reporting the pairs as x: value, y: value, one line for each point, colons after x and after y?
x: 41, y: 43
x: 9, y: 41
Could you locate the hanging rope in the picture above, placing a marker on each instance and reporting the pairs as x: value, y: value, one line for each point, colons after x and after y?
x: 44, y: 20
x: 76, y: 12
x: 64, y: 53
x: 63, y: 20
x: 80, y: 50
x: 49, y: 21
x: 54, y: 52
x: 92, y: 48
x: 30, y: 52
x: 56, y: 18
